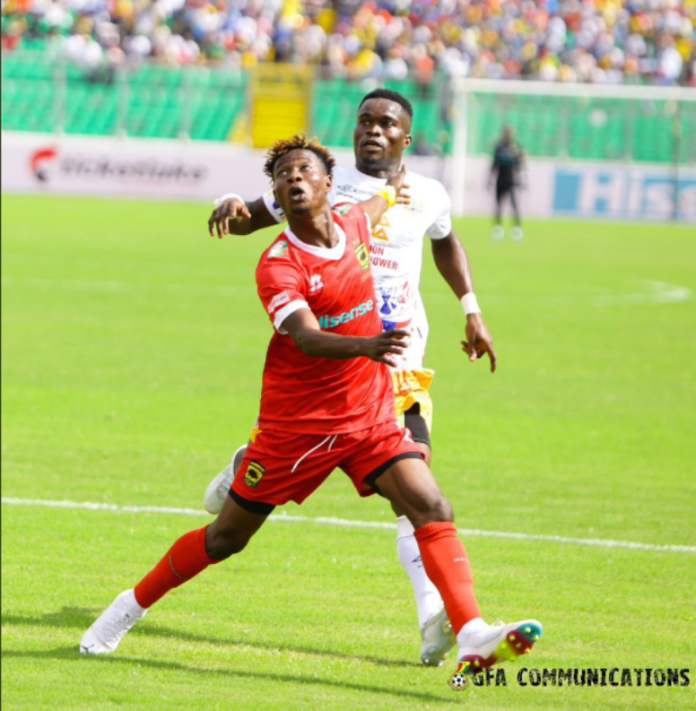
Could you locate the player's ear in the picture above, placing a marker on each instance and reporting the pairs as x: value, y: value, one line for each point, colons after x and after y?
x: 408, y: 140
x: 329, y: 182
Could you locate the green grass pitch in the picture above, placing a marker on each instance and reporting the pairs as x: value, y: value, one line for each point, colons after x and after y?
x: 132, y: 352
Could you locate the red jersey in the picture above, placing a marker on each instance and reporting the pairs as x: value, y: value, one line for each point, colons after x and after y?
x: 303, y: 393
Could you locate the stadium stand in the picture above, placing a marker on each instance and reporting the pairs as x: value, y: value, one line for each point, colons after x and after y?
x: 204, y: 103
x: 597, y: 41
x: 180, y: 68
x: 40, y: 93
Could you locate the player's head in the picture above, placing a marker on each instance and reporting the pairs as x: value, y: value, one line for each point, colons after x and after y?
x: 300, y: 170
x: 508, y: 134
x: 382, y: 131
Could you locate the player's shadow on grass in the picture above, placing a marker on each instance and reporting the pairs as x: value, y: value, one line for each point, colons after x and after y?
x: 81, y: 618
x: 72, y: 654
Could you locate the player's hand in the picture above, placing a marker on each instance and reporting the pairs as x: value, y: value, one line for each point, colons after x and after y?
x: 233, y: 209
x: 404, y: 196
x: 478, y: 341
x: 398, y: 180
x: 388, y: 346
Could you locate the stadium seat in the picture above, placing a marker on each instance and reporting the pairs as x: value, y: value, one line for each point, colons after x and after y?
x: 164, y: 101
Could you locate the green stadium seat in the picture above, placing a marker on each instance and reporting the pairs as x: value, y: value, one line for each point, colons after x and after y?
x: 161, y: 98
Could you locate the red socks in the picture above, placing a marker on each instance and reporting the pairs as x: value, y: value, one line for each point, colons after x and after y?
x: 443, y: 555
x: 186, y: 558
x: 446, y: 563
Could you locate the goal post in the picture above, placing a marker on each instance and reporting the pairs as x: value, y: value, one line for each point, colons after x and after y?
x: 629, y: 127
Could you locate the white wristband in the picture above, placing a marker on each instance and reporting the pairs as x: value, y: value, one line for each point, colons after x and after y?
x: 469, y: 304
x: 227, y: 196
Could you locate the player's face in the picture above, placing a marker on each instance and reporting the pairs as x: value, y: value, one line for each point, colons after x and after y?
x: 381, y: 135
x: 301, y: 183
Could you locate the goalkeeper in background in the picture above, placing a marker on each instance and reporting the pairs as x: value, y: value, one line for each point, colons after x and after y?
x: 507, y: 170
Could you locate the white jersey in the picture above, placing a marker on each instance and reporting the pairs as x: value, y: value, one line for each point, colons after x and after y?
x: 397, y: 247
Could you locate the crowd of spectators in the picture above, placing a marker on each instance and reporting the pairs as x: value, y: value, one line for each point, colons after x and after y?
x: 597, y: 41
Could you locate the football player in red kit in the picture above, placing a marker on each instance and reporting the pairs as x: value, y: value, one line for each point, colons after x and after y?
x: 327, y: 402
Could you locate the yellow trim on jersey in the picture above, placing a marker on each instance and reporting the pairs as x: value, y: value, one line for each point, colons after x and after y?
x: 411, y: 388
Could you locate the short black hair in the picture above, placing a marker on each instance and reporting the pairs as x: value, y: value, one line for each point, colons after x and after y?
x: 297, y: 143
x: 391, y: 96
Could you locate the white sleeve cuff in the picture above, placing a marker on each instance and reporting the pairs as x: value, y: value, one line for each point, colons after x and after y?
x: 286, y: 311
x: 227, y: 196
x: 273, y: 207
x: 441, y: 228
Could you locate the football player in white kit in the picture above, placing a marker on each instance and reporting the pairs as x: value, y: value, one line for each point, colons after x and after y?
x: 381, y: 135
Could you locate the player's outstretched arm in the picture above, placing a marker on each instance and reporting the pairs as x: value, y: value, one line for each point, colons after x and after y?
x: 452, y: 262
x: 303, y: 327
x: 379, y: 203
x: 234, y: 216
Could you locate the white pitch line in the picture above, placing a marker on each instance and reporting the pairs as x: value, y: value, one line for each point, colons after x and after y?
x: 655, y: 292
x: 660, y: 293
x: 324, y: 521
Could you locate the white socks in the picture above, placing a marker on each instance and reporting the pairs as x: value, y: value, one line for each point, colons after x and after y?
x: 428, y: 600
x: 131, y: 601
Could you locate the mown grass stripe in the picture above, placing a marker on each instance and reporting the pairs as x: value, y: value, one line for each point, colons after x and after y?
x: 328, y: 521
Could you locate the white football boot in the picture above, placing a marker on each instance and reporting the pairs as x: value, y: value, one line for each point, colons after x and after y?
x: 219, y: 487
x: 498, y: 233
x: 484, y: 645
x: 437, y: 639
x: 516, y: 234
x: 104, y: 636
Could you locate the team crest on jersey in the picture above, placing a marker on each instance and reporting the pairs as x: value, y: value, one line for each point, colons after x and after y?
x: 278, y: 249
x: 343, y: 209
x: 255, y: 472
x: 363, y: 256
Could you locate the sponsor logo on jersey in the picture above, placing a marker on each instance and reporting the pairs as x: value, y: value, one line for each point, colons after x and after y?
x: 278, y: 249
x: 327, y: 322
x: 255, y: 472
x: 380, y: 262
x: 352, y: 193
x: 363, y: 256
x: 315, y: 283
x: 278, y: 300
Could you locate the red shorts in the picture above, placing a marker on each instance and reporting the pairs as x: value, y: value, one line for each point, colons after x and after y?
x: 284, y: 466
